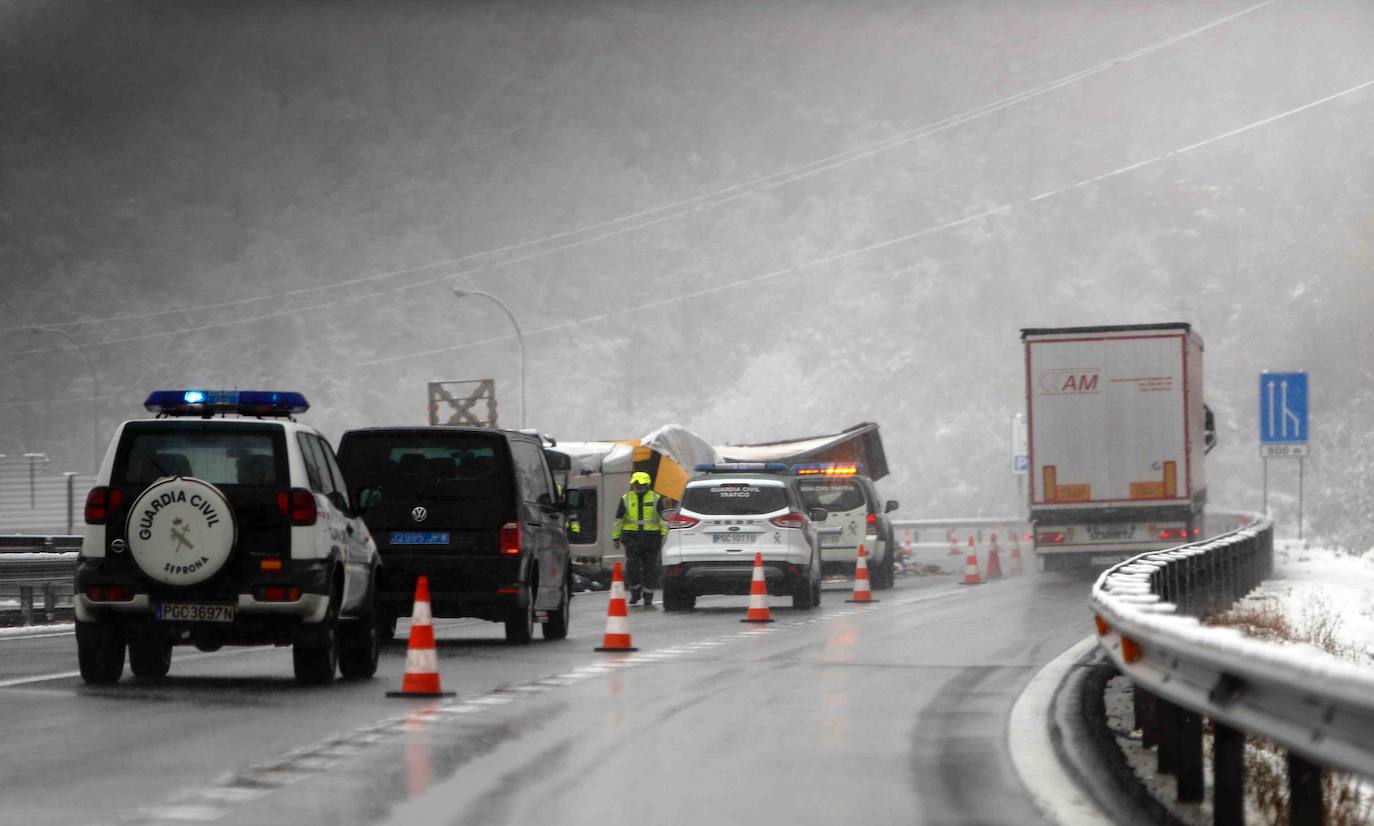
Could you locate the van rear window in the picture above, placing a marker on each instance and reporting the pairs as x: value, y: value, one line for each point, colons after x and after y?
x: 451, y: 467
x: 734, y: 498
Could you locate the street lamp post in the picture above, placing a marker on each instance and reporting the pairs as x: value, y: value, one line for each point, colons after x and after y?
x: 95, y: 392
x: 519, y: 337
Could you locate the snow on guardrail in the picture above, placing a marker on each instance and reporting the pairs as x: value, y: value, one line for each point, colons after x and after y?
x: 1307, y: 701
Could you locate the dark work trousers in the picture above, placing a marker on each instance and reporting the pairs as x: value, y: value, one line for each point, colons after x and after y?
x: 641, y: 559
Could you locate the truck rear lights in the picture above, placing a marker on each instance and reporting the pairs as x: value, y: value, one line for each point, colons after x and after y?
x: 1049, y: 538
x: 515, y: 590
x: 510, y: 539
x: 298, y: 506
x: 1174, y: 533
x: 677, y: 521
x: 278, y: 593
x: 789, y: 520
x: 269, y: 566
x: 101, y: 503
x: 109, y: 593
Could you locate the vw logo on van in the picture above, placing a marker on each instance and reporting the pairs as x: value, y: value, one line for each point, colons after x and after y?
x: 419, y: 514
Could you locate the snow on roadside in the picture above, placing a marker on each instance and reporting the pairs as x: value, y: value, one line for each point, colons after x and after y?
x: 49, y: 630
x: 1325, y: 593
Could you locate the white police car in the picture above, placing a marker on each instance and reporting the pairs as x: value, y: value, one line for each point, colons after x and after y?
x: 728, y: 514
x: 223, y: 521
x: 857, y: 516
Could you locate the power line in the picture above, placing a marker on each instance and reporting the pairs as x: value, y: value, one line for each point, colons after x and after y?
x: 620, y: 312
x: 671, y: 211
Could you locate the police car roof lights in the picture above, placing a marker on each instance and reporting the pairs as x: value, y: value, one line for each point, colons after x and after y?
x: 207, y: 403
x: 742, y: 467
x: 828, y: 469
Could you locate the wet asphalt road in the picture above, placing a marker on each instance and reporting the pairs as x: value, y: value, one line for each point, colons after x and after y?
x: 894, y: 712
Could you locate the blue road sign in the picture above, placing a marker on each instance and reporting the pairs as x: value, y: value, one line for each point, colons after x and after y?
x: 1283, y: 408
x: 1020, y: 464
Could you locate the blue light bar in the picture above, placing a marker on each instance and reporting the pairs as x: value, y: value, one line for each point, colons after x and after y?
x: 212, y: 402
x: 743, y: 467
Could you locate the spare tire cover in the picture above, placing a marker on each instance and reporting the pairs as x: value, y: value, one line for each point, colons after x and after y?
x: 180, y: 531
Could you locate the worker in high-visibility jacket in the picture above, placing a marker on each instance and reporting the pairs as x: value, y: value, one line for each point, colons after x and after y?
x: 640, y: 528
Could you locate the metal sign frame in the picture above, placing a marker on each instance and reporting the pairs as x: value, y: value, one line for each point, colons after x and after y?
x: 462, y: 397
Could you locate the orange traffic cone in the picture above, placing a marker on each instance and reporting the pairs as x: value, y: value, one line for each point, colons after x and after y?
x: 617, y: 618
x: 861, y: 592
x: 1015, y: 566
x: 994, y: 563
x: 422, y: 666
x: 758, y: 595
x: 971, y: 574
x: 953, y: 543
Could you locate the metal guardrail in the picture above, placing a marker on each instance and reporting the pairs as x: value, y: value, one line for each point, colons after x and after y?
x: 1320, y: 709
x: 938, y: 530
x: 38, y: 564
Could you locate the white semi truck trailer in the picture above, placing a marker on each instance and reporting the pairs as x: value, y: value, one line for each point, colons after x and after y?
x: 1118, y: 431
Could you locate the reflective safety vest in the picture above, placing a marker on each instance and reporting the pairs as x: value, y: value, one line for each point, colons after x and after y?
x: 636, y: 519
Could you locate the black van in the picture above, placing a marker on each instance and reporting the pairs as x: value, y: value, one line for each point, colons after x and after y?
x: 474, y: 510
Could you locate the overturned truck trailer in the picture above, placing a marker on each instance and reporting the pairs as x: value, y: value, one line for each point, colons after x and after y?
x: 600, y: 471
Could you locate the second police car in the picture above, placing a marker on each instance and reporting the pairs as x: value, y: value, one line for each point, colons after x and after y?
x: 223, y: 521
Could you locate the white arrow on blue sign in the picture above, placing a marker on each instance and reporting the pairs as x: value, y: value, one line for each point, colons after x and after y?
x: 1283, y: 408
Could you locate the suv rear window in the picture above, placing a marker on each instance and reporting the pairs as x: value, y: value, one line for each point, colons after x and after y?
x: 445, y: 467
x: 734, y: 498
x: 220, y: 457
x: 832, y: 494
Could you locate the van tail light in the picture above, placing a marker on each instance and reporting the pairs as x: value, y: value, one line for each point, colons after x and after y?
x: 510, y: 539
x: 678, y: 521
x: 789, y: 520
x: 101, y: 503
x: 298, y: 506
x: 1049, y: 538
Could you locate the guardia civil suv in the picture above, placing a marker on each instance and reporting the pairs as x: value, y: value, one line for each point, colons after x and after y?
x: 857, y: 516
x: 223, y: 521
x: 728, y: 514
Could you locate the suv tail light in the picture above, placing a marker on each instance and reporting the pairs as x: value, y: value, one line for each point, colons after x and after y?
x: 872, y: 523
x: 109, y: 593
x: 101, y: 503
x: 789, y: 520
x: 1174, y: 533
x: 510, y: 539
x: 677, y: 520
x: 298, y: 506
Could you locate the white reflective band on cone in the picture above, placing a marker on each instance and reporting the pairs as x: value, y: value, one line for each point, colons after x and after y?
x: 421, y: 615
x: 421, y: 661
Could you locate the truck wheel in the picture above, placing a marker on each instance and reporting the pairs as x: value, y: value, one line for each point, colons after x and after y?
x: 150, y: 656
x: 315, y: 651
x: 556, y: 626
x: 99, y: 653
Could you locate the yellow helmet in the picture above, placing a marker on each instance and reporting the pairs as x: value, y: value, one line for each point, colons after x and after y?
x: 639, y: 477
